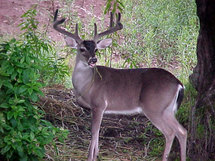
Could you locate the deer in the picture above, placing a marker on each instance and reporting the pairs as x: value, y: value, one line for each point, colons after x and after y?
x: 153, y: 92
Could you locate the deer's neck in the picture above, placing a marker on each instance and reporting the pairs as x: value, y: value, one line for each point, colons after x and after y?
x: 82, y: 76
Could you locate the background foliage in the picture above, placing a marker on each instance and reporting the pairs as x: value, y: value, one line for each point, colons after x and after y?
x: 162, y: 34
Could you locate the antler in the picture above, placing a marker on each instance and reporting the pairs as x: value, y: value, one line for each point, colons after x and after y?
x: 111, y: 30
x: 61, y: 30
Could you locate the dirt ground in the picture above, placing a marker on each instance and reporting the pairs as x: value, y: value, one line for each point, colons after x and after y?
x: 11, y: 11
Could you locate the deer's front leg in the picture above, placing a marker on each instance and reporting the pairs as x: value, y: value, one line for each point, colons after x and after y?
x: 97, y: 115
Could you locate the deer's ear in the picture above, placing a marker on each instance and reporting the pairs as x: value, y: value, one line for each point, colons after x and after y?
x: 71, y: 42
x: 104, y: 43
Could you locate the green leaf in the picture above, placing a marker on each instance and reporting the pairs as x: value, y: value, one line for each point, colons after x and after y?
x: 1, y: 83
x: 26, y: 76
x: 120, y: 4
x: 34, y: 97
x: 26, y: 137
x: 32, y: 136
x: 120, y: 8
x: 13, y: 123
x: 5, y: 149
x: 4, y: 105
x: 13, y: 76
x: 30, y: 90
x: 22, y: 60
x: 22, y: 89
x: 28, y: 59
x: 2, y: 73
x: 114, y: 7
x: 20, y: 101
x: 19, y: 126
x: 2, y: 119
x: 9, y: 115
x: 24, y: 158
x: 10, y: 70
x: 8, y: 84
x: 21, y: 151
x: 41, y: 93
x: 108, y: 6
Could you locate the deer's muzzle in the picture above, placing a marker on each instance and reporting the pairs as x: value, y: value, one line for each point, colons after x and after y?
x: 92, y: 61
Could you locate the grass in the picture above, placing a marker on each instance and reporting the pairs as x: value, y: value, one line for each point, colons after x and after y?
x: 159, y: 34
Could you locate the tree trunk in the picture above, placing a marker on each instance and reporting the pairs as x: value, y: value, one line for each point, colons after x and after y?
x: 202, y: 128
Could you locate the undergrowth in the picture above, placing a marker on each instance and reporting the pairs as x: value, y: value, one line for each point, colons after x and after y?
x: 26, y: 65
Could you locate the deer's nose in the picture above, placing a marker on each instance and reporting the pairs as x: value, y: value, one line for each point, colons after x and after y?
x: 92, y: 61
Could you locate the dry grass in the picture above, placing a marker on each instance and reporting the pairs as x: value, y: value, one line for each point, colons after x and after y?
x: 122, y: 138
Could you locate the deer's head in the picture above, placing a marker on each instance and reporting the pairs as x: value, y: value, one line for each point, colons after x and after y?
x: 87, y: 48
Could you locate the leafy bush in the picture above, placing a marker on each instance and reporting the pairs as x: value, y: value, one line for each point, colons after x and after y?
x: 52, y: 67
x: 23, y: 68
x: 113, y: 5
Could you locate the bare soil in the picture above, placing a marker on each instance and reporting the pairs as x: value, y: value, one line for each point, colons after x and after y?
x: 11, y: 11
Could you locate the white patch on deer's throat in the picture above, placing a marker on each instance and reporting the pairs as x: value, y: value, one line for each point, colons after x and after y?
x: 81, y: 65
x: 81, y: 75
x: 137, y: 110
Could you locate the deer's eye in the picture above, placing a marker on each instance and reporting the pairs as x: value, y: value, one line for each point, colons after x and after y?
x: 82, y: 50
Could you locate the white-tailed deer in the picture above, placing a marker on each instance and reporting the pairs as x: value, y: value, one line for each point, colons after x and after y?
x: 154, y: 92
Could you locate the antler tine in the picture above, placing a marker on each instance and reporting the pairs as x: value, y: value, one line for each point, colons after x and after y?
x: 111, y: 20
x: 55, y: 15
x: 95, y: 31
x: 76, y: 29
x: 119, y: 17
x: 112, y: 28
x: 61, y: 30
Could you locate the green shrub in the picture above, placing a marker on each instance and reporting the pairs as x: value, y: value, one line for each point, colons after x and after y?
x: 52, y: 68
x: 23, y: 68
